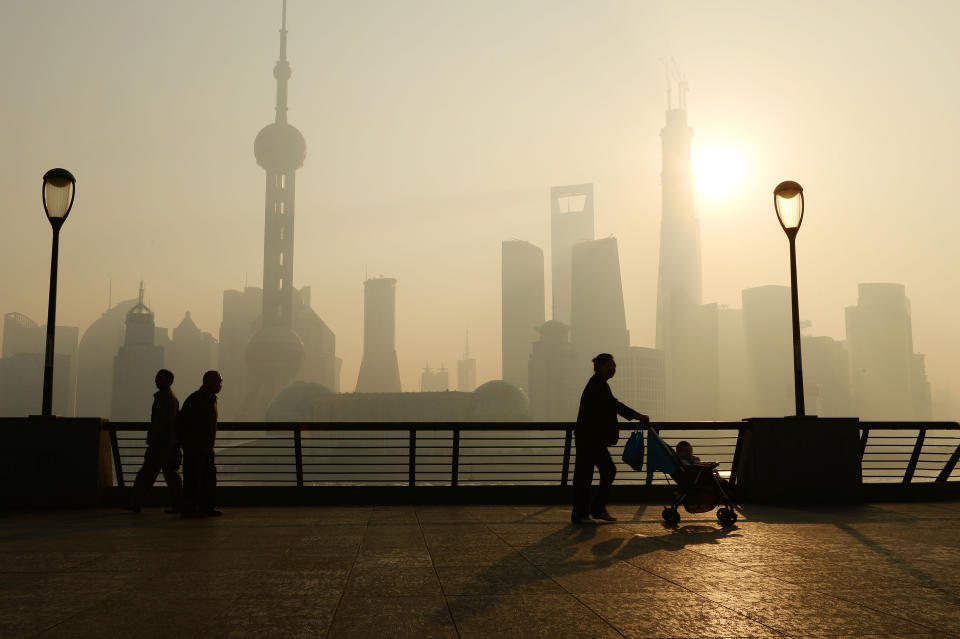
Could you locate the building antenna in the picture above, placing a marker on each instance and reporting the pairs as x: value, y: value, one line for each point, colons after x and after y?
x: 466, y: 349
x: 666, y: 75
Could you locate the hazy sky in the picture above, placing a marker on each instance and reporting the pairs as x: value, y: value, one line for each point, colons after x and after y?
x: 434, y: 131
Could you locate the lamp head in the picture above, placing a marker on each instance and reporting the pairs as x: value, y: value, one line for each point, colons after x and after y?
x: 788, y: 200
x: 58, y: 191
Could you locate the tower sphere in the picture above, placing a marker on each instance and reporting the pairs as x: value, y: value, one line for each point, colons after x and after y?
x: 275, y: 353
x: 280, y: 147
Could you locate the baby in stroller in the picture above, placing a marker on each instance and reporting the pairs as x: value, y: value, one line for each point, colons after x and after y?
x: 699, y: 486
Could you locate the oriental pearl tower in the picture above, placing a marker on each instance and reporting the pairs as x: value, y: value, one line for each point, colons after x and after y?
x: 275, y: 352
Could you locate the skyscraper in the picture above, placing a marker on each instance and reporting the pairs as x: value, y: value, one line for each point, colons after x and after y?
x: 555, y: 379
x: 466, y: 370
x: 769, y: 342
x: 887, y: 378
x: 136, y: 365
x: 522, y: 306
x: 192, y: 352
x: 598, y: 322
x: 379, y: 370
x: 679, y: 279
x: 571, y: 221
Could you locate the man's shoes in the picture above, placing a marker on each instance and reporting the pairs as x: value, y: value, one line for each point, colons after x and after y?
x: 190, y: 514
x: 582, y: 521
x: 213, y: 512
x: 605, y: 516
x: 131, y: 508
x: 171, y: 511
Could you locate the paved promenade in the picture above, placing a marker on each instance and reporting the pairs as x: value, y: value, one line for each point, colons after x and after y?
x: 481, y: 571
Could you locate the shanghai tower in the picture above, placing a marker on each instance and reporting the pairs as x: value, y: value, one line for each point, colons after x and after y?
x: 679, y: 281
x: 275, y: 353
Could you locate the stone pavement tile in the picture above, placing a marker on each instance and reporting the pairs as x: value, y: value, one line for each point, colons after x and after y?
x: 936, y: 609
x: 425, y: 617
x: 373, y: 581
x: 472, y: 555
x: 387, y: 558
x: 394, y: 515
x: 90, y: 586
x: 173, y: 584
x: 392, y: 535
x: 55, y: 560
x: 24, y: 615
x: 282, y: 618
x: 292, y: 583
x: 527, y: 616
x: 145, y: 559
x: 129, y: 619
x: 809, y: 613
x: 619, y: 577
x: 673, y: 614
x: 509, y: 577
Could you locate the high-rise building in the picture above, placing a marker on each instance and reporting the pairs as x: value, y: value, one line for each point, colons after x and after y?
x: 466, y: 370
x: 522, y: 307
x: 136, y: 365
x: 598, y: 323
x: 554, y: 376
x: 191, y: 353
x: 886, y: 377
x: 640, y: 382
x: 22, y: 368
x: 379, y: 369
x: 320, y: 362
x: 826, y: 377
x: 241, y: 319
x: 571, y: 221
x: 679, y: 291
x: 434, y: 381
x: 768, y: 334
x: 734, y: 386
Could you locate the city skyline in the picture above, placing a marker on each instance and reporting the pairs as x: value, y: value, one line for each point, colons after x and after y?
x: 458, y: 224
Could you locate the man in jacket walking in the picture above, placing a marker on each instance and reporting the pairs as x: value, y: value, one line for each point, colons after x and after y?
x: 163, y: 449
x: 597, y: 428
x: 198, y: 435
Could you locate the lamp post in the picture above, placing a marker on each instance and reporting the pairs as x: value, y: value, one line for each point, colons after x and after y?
x: 788, y: 201
x: 58, y: 191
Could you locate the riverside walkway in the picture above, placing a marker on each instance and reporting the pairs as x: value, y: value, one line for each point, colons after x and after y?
x: 482, y: 571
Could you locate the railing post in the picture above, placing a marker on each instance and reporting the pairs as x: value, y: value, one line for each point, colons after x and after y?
x: 864, y: 436
x: 455, y: 460
x: 915, y: 457
x: 117, y: 463
x: 412, y: 459
x: 565, y: 473
x: 950, y: 465
x: 298, y: 449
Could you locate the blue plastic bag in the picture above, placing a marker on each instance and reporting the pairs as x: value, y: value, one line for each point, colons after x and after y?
x: 633, y: 450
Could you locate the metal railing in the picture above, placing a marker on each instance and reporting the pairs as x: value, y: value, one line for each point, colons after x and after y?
x: 487, y: 454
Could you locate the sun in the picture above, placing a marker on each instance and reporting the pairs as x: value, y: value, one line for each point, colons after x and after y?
x: 718, y: 168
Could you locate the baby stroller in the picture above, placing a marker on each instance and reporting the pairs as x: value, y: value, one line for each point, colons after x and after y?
x: 699, y: 487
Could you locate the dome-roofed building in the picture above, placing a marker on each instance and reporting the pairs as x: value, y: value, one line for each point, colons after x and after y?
x: 499, y: 401
x: 98, y: 347
x: 296, y: 403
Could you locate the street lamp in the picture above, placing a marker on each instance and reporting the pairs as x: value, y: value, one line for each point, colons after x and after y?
x: 788, y: 201
x: 58, y: 191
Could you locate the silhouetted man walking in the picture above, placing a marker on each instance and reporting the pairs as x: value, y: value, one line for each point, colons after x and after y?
x: 596, y: 429
x: 163, y: 449
x: 198, y: 435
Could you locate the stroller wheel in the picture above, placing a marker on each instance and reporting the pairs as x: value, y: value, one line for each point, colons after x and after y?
x: 726, y: 517
x: 671, y: 516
